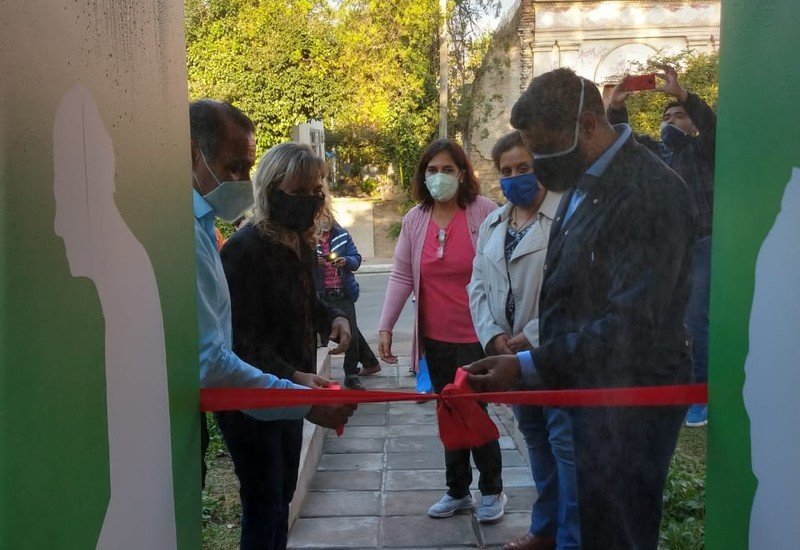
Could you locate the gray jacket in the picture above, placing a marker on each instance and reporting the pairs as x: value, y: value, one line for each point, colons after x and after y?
x: 491, y: 274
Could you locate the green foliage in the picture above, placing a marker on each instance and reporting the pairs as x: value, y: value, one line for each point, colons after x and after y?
x: 682, y: 523
x: 394, y: 229
x: 366, y: 68
x: 274, y: 59
x: 697, y: 72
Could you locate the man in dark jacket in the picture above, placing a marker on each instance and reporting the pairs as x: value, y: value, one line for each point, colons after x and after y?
x: 687, y: 145
x: 617, y: 280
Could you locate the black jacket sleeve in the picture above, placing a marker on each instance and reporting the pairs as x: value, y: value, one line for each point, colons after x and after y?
x: 705, y: 119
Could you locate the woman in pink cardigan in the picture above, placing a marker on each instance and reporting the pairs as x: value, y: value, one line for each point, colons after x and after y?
x: 433, y: 259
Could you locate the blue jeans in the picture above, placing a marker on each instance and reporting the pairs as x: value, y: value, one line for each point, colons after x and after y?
x: 696, y: 316
x: 548, y: 434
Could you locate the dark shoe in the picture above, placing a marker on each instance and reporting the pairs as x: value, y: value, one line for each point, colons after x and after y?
x: 353, y: 382
x: 369, y: 371
x: 529, y: 541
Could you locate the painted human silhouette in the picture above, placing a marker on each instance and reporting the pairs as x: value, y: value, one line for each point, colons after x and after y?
x: 772, y: 378
x: 101, y: 247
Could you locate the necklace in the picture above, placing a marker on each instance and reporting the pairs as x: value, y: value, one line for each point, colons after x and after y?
x: 524, y: 224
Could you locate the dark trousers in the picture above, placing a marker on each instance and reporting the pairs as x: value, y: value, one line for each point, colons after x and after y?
x: 696, y: 316
x: 622, y: 458
x: 266, y: 456
x: 359, y: 350
x: 443, y: 359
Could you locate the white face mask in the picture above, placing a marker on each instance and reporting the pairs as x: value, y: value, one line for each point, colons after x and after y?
x: 442, y: 187
x: 230, y: 199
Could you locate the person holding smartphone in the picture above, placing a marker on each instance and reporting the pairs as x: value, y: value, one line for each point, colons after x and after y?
x: 687, y: 145
x: 337, y: 259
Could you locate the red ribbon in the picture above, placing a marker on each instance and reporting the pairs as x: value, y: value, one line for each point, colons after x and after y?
x: 228, y: 399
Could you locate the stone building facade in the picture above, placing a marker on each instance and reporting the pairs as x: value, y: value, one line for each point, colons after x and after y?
x: 597, y: 39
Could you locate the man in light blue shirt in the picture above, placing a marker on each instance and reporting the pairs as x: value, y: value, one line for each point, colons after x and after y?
x: 223, y: 151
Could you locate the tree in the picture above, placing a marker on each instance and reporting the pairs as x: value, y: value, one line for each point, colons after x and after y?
x: 271, y: 58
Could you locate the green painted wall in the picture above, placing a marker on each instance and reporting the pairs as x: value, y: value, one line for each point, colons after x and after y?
x: 758, y: 144
x: 53, y: 440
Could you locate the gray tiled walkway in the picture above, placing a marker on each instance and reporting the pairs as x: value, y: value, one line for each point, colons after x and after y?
x: 375, y: 483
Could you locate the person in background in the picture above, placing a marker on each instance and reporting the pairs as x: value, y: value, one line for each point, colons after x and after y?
x: 433, y: 259
x: 616, y: 284
x: 504, y: 291
x: 269, y: 266
x: 337, y: 259
x: 223, y: 153
x: 688, y: 146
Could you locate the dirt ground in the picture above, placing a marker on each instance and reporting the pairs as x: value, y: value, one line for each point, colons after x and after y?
x: 385, y: 215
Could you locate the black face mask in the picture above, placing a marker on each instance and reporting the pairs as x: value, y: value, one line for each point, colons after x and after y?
x: 294, y: 212
x: 559, y: 173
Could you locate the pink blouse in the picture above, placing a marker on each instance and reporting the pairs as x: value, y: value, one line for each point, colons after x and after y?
x: 445, y: 270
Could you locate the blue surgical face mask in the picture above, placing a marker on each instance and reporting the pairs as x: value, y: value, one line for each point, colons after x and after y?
x: 230, y: 199
x: 520, y: 190
x: 442, y: 187
x: 672, y: 136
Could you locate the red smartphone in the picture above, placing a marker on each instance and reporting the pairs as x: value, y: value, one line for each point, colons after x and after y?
x: 641, y: 82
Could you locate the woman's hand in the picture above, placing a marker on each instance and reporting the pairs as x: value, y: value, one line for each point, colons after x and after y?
x: 340, y: 333
x: 519, y: 343
x: 499, y: 345
x: 385, y: 347
x: 339, y: 263
x: 309, y: 380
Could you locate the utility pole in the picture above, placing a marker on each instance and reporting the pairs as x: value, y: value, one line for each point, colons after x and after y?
x: 443, y: 69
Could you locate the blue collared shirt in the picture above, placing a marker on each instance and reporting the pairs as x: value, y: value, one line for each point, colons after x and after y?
x: 528, y: 370
x: 219, y: 365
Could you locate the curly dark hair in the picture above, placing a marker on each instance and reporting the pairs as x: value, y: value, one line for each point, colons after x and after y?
x: 468, y: 188
x: 551, y: 101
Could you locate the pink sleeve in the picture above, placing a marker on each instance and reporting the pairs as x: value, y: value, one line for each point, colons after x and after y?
x: 401, y: 280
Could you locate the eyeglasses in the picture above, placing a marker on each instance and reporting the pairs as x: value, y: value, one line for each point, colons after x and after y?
x: 441, y: 236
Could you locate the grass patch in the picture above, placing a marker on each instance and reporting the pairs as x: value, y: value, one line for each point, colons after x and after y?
x: 222, y: 511
x: 683, y: 520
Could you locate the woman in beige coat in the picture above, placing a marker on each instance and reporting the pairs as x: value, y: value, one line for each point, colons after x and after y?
x: 507, y: 276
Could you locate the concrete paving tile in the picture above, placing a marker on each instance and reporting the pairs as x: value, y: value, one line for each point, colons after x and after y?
x: 430, y: 430
x: 380, y: 383
x: 412, y: 417
x: 349, y: 532
x: 346, y: 481
x: 520, y: 499
x: 352, y: 461
x: 371, y: 408
x: 406, y: 406
x: 517, y: 476
x: 385, y: 372
x: 357, y: 432
x: 507, y: 442
x: 367, y: 420
x: 354, y: 445
x: 407, y: 382
x: 424, y: 532
x: 510, y: 526
x: 415, y: 461
x: 409, y: 480
x: 410, y: 503
x: 510, y: 458
x: 415, y: 444
x: 342, y: 503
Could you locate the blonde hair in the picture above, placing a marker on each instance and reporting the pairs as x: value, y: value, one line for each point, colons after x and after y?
x: 287, y: 162
x: 325, y: 212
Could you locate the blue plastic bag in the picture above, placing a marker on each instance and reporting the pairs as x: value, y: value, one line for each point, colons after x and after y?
x: 423, y: 377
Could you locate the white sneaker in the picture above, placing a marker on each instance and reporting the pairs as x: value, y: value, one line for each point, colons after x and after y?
x: 492, y: 507
x: 447, y: 506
